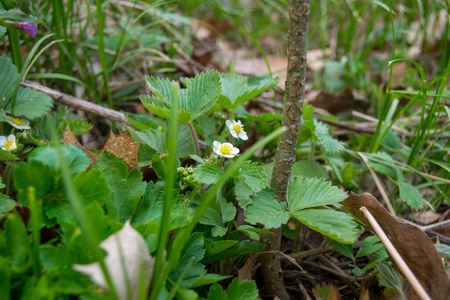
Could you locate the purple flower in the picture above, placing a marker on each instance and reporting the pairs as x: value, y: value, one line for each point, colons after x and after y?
x: 29, y: 28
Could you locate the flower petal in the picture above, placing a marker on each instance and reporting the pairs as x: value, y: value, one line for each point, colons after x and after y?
x: 234, y: 151
x: 243, y: 135
x: 229, y: 124
x: 11, y: 137
x: 217, y: 144
x: 2, y: 140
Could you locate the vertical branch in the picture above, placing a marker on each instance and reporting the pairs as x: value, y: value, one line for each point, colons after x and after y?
x: 285, y: 156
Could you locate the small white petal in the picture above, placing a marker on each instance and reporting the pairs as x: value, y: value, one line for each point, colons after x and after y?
x: 217, y: 145
x: 243, y: 135
x: 217, y: 151
x: 234, y: 134
x: 2, y: 140
x: 234, y: 151
x: 11, y: 137
x: 229, y: 124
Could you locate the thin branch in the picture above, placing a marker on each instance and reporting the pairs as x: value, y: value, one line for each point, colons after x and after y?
x: 72, y: 101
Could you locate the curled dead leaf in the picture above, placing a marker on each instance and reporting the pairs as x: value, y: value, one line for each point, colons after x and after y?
x: 128, y: 262
x: 411, y: 242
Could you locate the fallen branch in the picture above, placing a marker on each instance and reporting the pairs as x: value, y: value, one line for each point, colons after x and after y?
x: 78, y: 103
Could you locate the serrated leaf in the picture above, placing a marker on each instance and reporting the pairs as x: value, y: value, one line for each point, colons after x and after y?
x: 6, y: 155
x: 306, y: 192
x: 216, y: 292
x: 266, y: 210
x: 126, y: 188
x: 391, y: 278
x: 253, y: 176
x: 8, y: 79
x: 328, y: 222
x: 309, y: 168
x: 227, y: 210
x: 34, y: 174
x: 202, y: 92
x: 208, y: 279
x: 78, y: 127
x: 153, y: 138
x: 329, y: 143
x: 370, y: 245
x: 188, y: 266
x: 245, y: 290
x: 212, y: 217
x: 411, y: 195
x: 157, y: 108
x: 92, y: 186
x: 237, y: 89
x: 243, y: 194
x: 31, y: 103
x: 185, y: 141
x: 253, y: 232
x: 208, y: 173
x: 54, y: 257
x: 76, y: 159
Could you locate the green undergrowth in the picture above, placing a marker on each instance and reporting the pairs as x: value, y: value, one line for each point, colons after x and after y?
x: 190, y: 188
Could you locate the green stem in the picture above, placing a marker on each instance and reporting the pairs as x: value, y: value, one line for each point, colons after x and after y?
x: 194, y: 136
x: 169, y: 194
x: 35, y: 214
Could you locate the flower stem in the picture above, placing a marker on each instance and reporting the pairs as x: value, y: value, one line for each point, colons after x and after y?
x: 194, y: 136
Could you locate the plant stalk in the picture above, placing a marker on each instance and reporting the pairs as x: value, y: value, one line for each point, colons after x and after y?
x: 285, y: 155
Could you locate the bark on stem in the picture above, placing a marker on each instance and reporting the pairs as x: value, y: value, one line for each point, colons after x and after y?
x: 285, y: 156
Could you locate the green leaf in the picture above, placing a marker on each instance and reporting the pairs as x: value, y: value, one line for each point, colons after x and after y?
x: 253, y: 232
x: 202, y: 92
x: 329, y: 143
x: 151, y: 207
x: 78, y: 127
x: 237, y: 89
x: 56, y: 257
x: 6, y: 155
x: 153, y: 138
x: 309, y: 168
x: 34, y: 174
x: 8, y: 79
x: 31, y: 103
x: 230, y: 248
x: 328, y: 222
x: 444, y: 250
x: 209, y: 279
x: 266, y: 210
x: 76, y: 159
x: 253, y: 176
x: 5, y: 275
x: 16, y: 15
x: 185, y: 141
x: 370, y: 245
x: 92, y: 186
x: 245, y: 290
x: 227, y: 210
x: 126, y: 188
x: 18, y: 243
x: 391, y: 278
x: 216, y: 292
x: 6, y: 204
x: 208, y: 173
x: 344, y: 249
x: 411, y: 195
x: 188, y: 265
x: 212, y: 217
x: 243, y: 194
x: 306, y: 192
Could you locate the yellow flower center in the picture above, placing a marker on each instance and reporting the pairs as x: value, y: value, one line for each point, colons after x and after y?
x: 8, y: 144
x: 224, y: 149
x: 17, y: 121
x: 237, y: 128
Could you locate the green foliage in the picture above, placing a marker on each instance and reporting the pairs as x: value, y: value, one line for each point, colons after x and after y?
x: 126, y: 187
x: 199, y: 96
x: 236, y: 290
x: 237, y: 89
x: 29, y: 103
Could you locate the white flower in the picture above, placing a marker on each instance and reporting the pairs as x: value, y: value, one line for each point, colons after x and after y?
x: 8, y: 143
x: 237, y: 129
x: 19, y: 123
x: 225, y: 149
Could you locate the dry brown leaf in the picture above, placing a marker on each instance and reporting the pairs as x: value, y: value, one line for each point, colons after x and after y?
x: 425, y: 217
x: 412, y: 243
x: 69, y: 138
x: 122, y: 146
x: 326, y: 292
